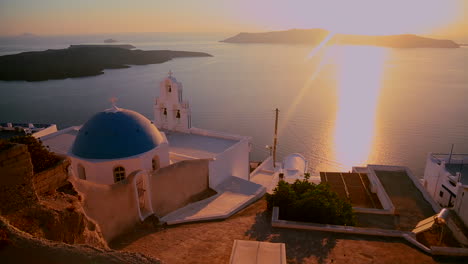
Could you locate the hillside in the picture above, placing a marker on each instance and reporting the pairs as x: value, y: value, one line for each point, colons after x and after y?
x: 80, y: 62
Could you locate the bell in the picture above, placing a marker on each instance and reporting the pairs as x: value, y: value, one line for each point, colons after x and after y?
x: 165, y: 111
x: 178, y: 114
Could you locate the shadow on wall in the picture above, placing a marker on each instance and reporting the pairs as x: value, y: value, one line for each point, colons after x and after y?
x: 116, y: 207
x: 177, y: 185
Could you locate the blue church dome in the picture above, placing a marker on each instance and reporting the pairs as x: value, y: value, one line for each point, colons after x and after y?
x: 116, y: 133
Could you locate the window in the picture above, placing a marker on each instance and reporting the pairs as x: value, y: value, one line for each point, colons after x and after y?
x: 119, y: 174
x: 168, y: 86
x: 81, y: 172
x: 155, y: 163
x: 441, y: 194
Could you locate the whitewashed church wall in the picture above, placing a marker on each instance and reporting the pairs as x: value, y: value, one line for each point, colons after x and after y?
x: 101, y: 171
x: 113, y: 206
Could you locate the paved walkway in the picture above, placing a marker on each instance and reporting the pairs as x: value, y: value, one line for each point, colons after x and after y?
x: 266, y: 175
x: 233, y: 195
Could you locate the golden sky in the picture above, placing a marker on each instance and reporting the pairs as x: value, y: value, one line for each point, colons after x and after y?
x: 445, y: 18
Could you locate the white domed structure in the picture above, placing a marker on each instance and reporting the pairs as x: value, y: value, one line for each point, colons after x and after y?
x: 114, y: 143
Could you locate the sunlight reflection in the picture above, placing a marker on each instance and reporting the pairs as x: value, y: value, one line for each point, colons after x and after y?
x: 321, y: 47
x: 359, y: 77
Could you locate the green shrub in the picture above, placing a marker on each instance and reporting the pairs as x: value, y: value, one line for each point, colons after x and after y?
x: 309, y: 202
x: 41, y: 158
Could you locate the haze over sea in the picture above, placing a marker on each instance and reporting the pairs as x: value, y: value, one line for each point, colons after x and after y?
x: 340, y: 106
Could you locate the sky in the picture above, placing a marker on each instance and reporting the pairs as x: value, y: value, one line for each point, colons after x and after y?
x: 445, y: 18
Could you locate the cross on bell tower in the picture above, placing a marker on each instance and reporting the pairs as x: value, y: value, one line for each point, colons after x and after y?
x: 171, y: 112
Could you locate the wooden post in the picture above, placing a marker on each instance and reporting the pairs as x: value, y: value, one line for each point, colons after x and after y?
x: 275, y: 139
x: 450, y: 156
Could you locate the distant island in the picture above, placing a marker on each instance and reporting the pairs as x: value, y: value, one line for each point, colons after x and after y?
x: 316, y: 36
x: 80, y: 61
x: 122, y: 46
x: 110, y: 40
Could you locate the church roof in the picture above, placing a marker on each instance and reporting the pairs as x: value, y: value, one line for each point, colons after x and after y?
x: 116, y: 133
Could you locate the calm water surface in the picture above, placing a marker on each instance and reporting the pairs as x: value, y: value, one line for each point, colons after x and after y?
x: 340, y: 107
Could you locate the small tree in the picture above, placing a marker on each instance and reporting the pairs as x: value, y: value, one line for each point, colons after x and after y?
x: 41, y: 158
x: 306, y: 201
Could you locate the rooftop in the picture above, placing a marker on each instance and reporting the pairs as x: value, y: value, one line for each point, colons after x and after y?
x: 116, y: 133
x: 191, y: 145
x: 462, y: 168
x: 453, y: 163
x: 61, y: 143
x: 410, y: 205
x: 197, y: 146
x: 353, y: 186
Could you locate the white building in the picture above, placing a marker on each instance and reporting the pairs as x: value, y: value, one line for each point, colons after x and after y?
x: 36, y: 130
x: 116, y: 142
x: 446, y: 179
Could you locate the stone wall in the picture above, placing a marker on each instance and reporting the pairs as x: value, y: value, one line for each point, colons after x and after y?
x: 16, y: 171
x: 177, y: 185
x: 49, y: 180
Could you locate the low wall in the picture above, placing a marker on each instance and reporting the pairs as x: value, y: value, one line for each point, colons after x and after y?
x: 232, y: 162
x: 177, y: 185
x: 113, y: 206
x: 218, y: 134
x: 16, y: 172
x: 408, y: 236
x: 276, y: 222
x: 49, y: 180
x: 264, y: 166
x: 376, y: 185
x: 46, y: 131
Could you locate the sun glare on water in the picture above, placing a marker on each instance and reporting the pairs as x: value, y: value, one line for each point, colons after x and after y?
x: 359, y: 75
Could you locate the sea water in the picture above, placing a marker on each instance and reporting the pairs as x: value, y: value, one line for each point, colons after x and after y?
x: 339, y: 106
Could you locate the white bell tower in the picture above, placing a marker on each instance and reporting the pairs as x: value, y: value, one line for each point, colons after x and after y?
x: 170, y: 111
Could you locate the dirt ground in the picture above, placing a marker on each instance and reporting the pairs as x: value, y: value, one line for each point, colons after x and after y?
x: 211, y: 242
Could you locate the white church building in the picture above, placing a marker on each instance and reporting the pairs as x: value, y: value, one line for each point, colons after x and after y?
x: 116, y: 142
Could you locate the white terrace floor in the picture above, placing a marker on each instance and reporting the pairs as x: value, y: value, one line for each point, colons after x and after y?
x: 197, y: 146
x: 61, y: 143
x: 233, y: 195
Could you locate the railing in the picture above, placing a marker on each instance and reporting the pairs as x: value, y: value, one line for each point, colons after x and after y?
x: 450, y: 158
